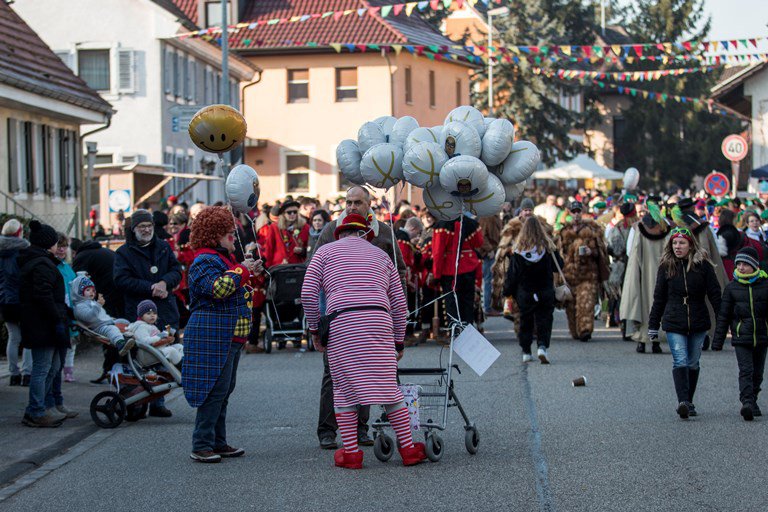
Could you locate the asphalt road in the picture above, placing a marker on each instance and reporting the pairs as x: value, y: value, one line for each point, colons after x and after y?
x: 615, y: 444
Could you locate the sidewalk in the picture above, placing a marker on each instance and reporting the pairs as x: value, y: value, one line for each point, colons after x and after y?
x: 27, y: 448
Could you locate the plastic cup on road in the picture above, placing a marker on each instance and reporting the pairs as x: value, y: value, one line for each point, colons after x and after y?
x: 579, y: 381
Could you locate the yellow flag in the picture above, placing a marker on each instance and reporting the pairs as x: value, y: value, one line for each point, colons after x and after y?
x: 630, y: 60
x: 566, y: 50
x: 397, y: 48
x: 336, y: 46
x: 616, y: 49
x: 409, y: 8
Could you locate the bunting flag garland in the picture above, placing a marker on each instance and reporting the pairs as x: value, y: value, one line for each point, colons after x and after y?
x: 618, y: 51
x: 624, y: 76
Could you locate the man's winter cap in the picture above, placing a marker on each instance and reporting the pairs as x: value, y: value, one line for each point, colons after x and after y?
x: 576, y: 206
x: 526, y: 204
x: 140, y: 216
x: 749, y: 256
x: 42, y: 235
x: 84, y: 283
x: 145, y: 307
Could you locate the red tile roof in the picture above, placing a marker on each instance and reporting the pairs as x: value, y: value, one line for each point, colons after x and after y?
x: 352, y: 28
x: 27, y: 63
x: 189, y: 8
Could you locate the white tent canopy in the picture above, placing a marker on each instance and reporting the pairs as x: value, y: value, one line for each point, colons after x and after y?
x: 580, y: 168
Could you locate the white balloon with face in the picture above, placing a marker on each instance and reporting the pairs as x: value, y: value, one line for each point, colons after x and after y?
x: 469, y: 116
x: 382, y: 165
x: 369, y: 135
x: 631, y: 178
x: 487, y: 201
x: 242, y: 188
x: 464, y: 176
x: 521, y: 163
x: 422, y: 164
x: 497, y: 142
x: 513, y: 191
x: 422, y: 134
x: 386, y: 123
x: 460, y: 139
x: 348, y: 159
x: 402, y: 129
x: 441, y: 204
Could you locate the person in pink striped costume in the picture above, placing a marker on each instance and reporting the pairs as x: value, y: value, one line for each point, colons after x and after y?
x: 364, y: 290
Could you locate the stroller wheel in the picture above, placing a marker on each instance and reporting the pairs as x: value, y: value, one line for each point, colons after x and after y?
x: 108, y: 409
x: 434, y: 447
x: 383, y: 447
x: 268, y: 340
x: 471, y: 439
x: 136, y: 412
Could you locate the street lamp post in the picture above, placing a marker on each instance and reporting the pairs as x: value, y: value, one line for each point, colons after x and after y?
x: 499, y: 11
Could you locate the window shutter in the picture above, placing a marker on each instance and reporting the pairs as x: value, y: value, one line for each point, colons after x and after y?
x: 66, y: 57
x: 192, y: 81
x: 168, y: 71
x: 185, y: 76
x: 126, y: 71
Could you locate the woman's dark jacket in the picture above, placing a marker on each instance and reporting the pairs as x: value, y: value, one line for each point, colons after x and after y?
x: 138, y: 268
x: 10, y: 246
x: 681, y: 299
x: 44, y: 312
x: 745, y: 310
x: 526, y: 278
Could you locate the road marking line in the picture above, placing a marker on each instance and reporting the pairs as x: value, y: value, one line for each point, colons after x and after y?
x: 546, y: 502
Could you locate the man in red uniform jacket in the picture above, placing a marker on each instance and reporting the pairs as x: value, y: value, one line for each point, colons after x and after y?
x: 446, y: 241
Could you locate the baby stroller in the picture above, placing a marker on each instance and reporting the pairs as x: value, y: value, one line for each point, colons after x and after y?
x: 285, y: 314
x: 136, y: 385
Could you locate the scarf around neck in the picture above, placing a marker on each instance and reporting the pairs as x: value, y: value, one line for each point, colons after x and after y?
x: 749, y: 278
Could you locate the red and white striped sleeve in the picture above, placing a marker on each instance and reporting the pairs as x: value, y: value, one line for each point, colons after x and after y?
x: 398, y: 307
x: 310, y: 291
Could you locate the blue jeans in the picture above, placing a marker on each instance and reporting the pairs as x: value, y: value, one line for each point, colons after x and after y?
x: 686, y: 349
x: 210, y: 423
x: 487, y: 281
x: 54, y: 397
x: 46, y: 363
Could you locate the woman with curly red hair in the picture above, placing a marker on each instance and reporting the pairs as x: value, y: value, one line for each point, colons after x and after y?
x: 218, y: 327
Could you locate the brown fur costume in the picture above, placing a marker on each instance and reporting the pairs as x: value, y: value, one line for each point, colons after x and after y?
x: 584, y: 274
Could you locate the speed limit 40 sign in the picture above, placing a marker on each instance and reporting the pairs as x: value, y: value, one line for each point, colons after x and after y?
x: 735, y: 148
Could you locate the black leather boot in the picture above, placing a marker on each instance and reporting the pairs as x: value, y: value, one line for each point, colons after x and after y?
x: 680, y: 377
x: 640, y: 347
x: 693, y: 380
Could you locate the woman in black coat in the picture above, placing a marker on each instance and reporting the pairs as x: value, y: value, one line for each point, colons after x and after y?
x: 686, y: 278
x: 44, y: 319
x: 529, y: 280
x: 745, y: 311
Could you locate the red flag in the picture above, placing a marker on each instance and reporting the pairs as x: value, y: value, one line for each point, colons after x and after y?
x: 373, y: 11
x: 687, y: 45
x: 337, y: 15
x: 398, y: 8
x: 638, y: 49
x: 753, y: 42
x: 434, y: 4
x: 361, y: 47
x: 587, y: 50
x: 735, y: 44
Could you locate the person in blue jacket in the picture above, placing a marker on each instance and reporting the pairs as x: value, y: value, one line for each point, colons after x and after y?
x: 146, y: 268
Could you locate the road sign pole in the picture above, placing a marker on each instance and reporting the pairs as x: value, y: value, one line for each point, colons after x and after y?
x: 735, y: 170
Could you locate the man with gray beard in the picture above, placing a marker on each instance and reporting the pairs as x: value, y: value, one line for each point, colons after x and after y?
x: 146, y: 269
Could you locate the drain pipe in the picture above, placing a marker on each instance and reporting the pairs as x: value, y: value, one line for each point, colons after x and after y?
x: 89, y: 176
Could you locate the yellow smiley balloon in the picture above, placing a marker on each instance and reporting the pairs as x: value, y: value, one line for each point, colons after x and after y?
x: 217, y: 128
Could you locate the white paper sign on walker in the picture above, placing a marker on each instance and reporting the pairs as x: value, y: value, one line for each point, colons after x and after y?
x: 475, y: 350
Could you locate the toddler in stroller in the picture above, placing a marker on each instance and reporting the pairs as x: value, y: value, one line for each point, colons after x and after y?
x: 89, y: 311
x: 146, y: 333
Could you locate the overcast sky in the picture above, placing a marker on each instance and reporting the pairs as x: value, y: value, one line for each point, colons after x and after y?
x: 735, y: 19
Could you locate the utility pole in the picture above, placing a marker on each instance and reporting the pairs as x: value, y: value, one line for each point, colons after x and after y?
x: 499, y: 11
x: 224, y: 89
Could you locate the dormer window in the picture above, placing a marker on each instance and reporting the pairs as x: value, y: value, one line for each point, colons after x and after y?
x: 213, y: 13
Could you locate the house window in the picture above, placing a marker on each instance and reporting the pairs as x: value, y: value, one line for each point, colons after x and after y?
x: 297, y: 173
x: 68, y: 144
x: 432, y: 101
x: 213, y: 13
x: 104, y: 158
x: 26, y: 159
x: 459, y: 95
x: 346, y: 84
x: 572, y: 102
x: 408, y: 88
x: 177, y: 79
x: 93, y: 67
x: 185, y: 76
x: 298, y: 85
x: 168, y: 70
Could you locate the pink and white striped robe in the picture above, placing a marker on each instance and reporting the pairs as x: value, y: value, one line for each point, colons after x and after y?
x: 362, y: 345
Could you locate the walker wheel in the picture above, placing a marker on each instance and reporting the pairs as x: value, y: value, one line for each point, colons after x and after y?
x: 268, y: 337
x: 383, y: 447
x: 471, y: 439
x: 434, y: 447
x: 108, y: 409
